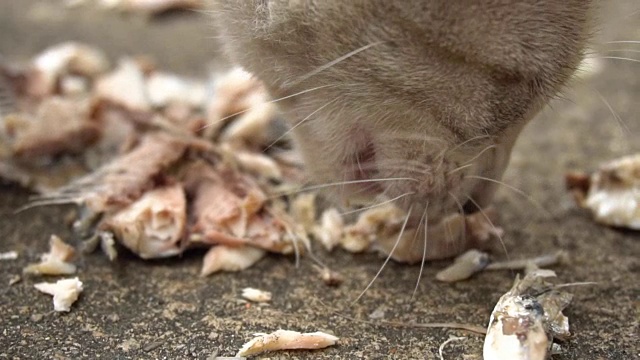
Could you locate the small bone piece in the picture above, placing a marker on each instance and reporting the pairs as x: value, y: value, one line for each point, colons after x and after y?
x: 9, y: 255
x: 256, y: 295
x: 65, y: 292
x: 286, y: 340
x: 464, y: 266
x: 331, y: 228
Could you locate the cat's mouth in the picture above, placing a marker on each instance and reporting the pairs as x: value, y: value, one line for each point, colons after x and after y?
x: 430, y: 190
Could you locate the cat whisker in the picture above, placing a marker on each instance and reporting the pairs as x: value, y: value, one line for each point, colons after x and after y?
x: 424, y: 221
x: 623, y: 42
x: 497, y: 233
x: 623, y: 126
x: 412, y: 136
x: 514, y: 189
x: 377, y: 204
x: 47, y: 202
x: 341, y: 183
x: 7, y: 97
x: 404, y: 225
x: 461, y: 210
x: 299, y: 123
x: 470, y: 162
x: 617, y: 58
x: 331, y: 63
x: 492, y: 146
x: 459, y: 168
x: 623, y: 50
x: 466, y: 142
x: 395, y: 167
x: 408, y: 162
x: 270, y: 102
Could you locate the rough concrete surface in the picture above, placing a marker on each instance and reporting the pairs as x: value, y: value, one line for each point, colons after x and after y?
x: 163, y: 310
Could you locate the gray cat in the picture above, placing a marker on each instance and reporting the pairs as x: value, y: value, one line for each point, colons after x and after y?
x: 417, y: 99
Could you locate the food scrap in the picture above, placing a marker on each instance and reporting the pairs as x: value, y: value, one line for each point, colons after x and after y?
x: 132, y: 149
x: 464, y: 266
x: 55, y: 262
x: 256, y: 295
x: 227, y: 258
x: 380, y: 228
x: 9, y: 255
x: 527, y: 319
x: 65, y: 292
x: 14, y: 280
x: 330, y: 229
x: 612, y: 193
x: 474, y: 261
x: 328, y: 276
x: 153, y: 225
x: 286, y: 340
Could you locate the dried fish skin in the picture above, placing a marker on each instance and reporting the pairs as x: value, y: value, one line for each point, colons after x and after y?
x: 218, y: 197
x: 286, y: 340
x: 59, y: 126
x: 41, y: 150
x: 229, y: 208
x: 526, y: 319
x: 553, y: 303
x: 123, y: 180
x: 612, y: 193
x: 154, y: 225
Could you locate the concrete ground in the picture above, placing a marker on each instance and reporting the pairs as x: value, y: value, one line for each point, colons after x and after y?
x: 163, y: 310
